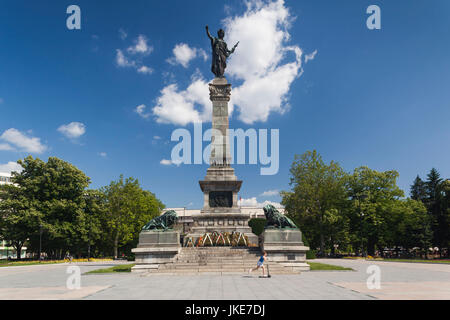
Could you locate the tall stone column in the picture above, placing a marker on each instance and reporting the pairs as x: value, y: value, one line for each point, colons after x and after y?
x: 220, y: 187
x: 219, y: 94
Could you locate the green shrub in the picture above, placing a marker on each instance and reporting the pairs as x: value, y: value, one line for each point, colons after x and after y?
x: 257, y: 225
x: 310, y: 254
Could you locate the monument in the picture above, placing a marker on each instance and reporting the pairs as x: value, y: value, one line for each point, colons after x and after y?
x: 158, y: 243
x: 283, y: 242
x: 220, y: 224
x: 220, y: 187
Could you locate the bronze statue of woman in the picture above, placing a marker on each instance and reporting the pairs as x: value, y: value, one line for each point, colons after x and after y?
x: 220, y: 53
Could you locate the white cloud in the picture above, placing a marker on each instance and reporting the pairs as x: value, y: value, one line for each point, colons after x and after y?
x: 22, y: 142
x: 141, y: 46
x: 263, y: 62
x: 135, y: 55
x: 183, y: 54
x: 310, y: 56
x: 181, y: 107
x: 270, y: 193
x: 72, y: 130
x: 252, y: 202
x: 145, y: 70
x: 10, y: 167
x: 157, y: 137
x: 122, y: 61
x: 166, y: 162
x: 6, y: 147
x: 122, y: 34
x: 103, y: 154
x: 259, y: 59
x: 140, y: 110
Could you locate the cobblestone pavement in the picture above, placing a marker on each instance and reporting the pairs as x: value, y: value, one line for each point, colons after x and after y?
x: 398, y: 281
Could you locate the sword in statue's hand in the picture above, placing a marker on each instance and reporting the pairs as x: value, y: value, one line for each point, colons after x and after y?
x: 235, y: 46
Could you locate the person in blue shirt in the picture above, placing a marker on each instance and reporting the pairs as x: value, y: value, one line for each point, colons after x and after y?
x: 260, y: 263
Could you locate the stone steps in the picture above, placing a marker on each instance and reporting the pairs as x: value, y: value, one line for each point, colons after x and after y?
x: 240, y: 271
x: 216, y: 265
x: 218, y: 260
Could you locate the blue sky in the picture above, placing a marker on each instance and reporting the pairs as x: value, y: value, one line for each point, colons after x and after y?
x: 369, y: 97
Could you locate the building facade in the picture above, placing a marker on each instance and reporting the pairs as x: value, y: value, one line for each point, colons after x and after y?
x: 5, y: 250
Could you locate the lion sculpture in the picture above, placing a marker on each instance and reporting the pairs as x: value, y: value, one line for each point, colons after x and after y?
x: 275, y: 219
x: 163, y: 222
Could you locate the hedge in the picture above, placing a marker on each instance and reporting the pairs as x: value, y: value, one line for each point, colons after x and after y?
x: 257, y: 225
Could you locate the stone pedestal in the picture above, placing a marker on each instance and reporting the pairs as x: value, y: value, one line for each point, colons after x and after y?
x: 223, y: 222
x: 155, y: 248
x: 285, y: 246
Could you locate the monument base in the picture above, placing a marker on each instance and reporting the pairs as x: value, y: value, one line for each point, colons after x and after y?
x: 223, y: 222
x: 155, y: 248
x: 285, y: 246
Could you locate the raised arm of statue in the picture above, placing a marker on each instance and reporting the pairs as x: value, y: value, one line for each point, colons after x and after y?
x: 208, y: 34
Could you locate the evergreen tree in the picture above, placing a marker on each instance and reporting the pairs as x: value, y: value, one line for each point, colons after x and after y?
x: 432, y: 186
x: 435, y: 205
x: 418, y: 190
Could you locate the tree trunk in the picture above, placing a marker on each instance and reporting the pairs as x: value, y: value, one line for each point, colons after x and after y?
x: 371, y: 247
x: 18, y: 247
x: 322, y: 239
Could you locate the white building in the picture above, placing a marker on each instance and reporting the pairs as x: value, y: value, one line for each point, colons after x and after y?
x: 5, y: 178
x: 6, y: 251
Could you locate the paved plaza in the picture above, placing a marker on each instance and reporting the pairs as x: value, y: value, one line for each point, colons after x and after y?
x: 398, y: 281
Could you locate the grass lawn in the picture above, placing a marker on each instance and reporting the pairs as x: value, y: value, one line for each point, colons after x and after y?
x: 315, y: 266
x: 6, y: 263
x: 414, y: 260
x: 119, y: 268
x: 27, y: 263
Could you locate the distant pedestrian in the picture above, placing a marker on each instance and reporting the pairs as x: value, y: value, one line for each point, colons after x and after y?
x: 260, y: 263
x: 68, y: 257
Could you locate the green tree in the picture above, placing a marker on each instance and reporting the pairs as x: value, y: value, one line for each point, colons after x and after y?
x: 95, y: 208
x: 129, y: 208
x: 316, y: 196
x: 373, y: 196
x: 445, y: 216
x: 52, y: 194
x: 418, y: 190
x: 19, y: 219
x: 435, y: 203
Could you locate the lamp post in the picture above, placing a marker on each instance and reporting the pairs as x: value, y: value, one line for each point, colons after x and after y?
x: 183, y: 220
x: 89, y: 245
x: 86, y: 198
x: 361, y: 215
x: 40, y: 242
